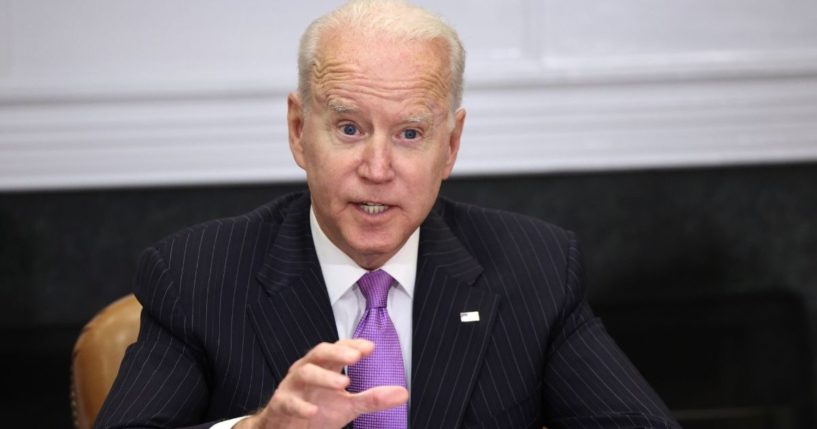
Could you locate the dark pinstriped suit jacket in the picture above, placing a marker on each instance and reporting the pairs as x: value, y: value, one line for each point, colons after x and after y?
x: 230, y: 304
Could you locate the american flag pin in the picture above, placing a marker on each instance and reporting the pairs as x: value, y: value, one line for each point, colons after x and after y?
x: 469, y: 316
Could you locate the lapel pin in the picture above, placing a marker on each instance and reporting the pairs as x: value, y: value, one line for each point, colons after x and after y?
x: 469, y: 316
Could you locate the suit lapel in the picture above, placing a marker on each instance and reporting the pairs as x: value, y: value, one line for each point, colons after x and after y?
x: 446, y: 352
x: 291, y: 313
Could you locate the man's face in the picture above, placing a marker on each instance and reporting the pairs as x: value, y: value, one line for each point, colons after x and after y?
x: 376, y: 138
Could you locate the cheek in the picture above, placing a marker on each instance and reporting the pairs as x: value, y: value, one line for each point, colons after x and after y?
x: 439, y: 166
x: 331, y: 175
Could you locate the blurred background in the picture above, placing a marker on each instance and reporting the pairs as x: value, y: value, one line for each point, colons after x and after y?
x: 678, y: 139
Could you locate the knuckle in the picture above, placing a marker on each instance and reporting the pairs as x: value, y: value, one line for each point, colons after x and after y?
x: 288, y: 405
x: 300, y: 373
x: 283, y: 405
x: 295, y: 365
x: 276, y: 405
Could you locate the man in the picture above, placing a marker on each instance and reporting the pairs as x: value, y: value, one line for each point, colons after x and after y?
x: 269, y: 318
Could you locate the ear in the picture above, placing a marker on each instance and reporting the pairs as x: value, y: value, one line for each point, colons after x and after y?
x: 454, y: 141
x: 295, y: 123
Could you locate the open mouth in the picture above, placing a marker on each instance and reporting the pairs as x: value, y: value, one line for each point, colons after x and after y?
x: 373, y: 208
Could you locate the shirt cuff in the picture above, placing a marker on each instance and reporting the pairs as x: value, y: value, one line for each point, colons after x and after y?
x: 227, y: 424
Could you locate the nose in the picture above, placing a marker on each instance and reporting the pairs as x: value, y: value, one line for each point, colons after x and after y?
x: 376, y: 163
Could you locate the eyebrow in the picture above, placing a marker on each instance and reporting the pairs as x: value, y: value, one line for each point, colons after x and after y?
x: 338, y: 107
x: 420, y: 118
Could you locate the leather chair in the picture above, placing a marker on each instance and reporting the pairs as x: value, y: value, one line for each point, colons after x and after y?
x: 97, y: 355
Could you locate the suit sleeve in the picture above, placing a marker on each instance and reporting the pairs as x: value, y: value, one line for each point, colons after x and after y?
x: 161, y: 382
x: 589, y: 382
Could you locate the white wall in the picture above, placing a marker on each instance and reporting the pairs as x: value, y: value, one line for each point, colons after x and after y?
x: 97, y: 93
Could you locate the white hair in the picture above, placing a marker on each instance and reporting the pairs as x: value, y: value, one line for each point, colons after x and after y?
x: 383, y: 18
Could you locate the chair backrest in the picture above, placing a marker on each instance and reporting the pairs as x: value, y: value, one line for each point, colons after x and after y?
x: 97, y: 355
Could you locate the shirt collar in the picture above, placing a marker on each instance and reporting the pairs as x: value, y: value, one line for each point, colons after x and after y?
x: 340, y: 272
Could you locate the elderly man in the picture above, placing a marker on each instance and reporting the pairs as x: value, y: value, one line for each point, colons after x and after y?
x: 369, y: 300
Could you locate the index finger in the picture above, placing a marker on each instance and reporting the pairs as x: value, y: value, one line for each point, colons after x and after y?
x: 336, y: 355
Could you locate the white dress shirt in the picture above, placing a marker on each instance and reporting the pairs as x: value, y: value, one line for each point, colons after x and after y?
x: 341, y: 273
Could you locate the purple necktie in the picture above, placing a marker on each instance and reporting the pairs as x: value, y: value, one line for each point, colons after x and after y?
x: 384, y: 367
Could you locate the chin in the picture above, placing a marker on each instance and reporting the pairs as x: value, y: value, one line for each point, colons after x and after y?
x: 373, y: 249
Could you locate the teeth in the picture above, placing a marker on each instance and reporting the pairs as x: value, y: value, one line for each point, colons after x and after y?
x: 372, y: 208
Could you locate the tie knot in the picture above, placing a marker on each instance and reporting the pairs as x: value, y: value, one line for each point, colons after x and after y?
x: 375, y: 287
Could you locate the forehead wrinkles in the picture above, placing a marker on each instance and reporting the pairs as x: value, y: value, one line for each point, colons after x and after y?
x: 331, y: 75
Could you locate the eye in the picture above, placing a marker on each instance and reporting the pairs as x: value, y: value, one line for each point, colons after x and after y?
x: 410, y: 134
x: 349, y: 129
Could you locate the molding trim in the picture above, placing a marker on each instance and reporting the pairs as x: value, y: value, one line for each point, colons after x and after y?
x: 625, y: 116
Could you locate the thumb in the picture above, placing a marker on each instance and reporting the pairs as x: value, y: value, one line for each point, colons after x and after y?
x: 379, y: 398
